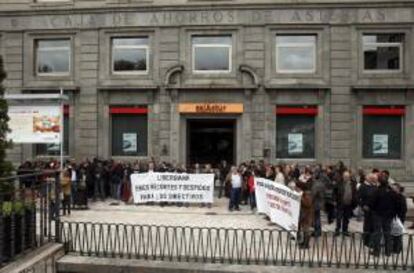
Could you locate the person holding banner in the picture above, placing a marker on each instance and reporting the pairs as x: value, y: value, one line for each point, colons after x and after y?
x: 207, y: 169
x: 236, y: 183
x: 279, y: 175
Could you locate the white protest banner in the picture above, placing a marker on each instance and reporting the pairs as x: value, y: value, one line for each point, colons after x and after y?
x: 34, y: 124
x: 172, y: 187
x: 279, y: 202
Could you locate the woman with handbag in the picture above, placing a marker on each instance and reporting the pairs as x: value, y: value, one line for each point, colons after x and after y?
x: 397, y: 226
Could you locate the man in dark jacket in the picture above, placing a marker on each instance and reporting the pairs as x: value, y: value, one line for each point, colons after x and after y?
x: 318, y: 190
x: 99, y: 186
x: 366, y: 192
x: 329, y: 195
x: 384, y: 209
x: 224, y: 171
x: 345, y: 195
x: 25, y: 170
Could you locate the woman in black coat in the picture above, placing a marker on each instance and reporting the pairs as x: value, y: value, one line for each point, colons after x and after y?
x: 401, y: 211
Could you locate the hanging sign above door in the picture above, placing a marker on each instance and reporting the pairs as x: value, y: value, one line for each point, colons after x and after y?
x: 210, y: 108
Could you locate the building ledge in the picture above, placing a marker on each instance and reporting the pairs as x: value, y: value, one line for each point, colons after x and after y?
x: 127, y: 88
x: 310, y: 87
x: 214, y: 87
x: 29, y: 89
x: 373, y: 88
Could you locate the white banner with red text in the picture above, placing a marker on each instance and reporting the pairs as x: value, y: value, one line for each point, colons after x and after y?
x: 279, y: 202
x: 172, y: 187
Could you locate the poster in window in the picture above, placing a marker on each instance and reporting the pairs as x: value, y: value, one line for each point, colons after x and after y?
x: 53, y: 147
x: 295, y: 143
x: 380, y: 144
x: 129, y: 142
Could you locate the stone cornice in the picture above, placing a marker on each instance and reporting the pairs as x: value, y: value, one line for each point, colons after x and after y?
x: 70, y: 8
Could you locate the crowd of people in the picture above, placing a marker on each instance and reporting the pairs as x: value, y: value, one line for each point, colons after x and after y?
x: 373, y: 197
x: 337, y: 191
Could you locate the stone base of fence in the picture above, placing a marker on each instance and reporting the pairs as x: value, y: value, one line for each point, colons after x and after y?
x: 41, y: 260
x: 80, y: 264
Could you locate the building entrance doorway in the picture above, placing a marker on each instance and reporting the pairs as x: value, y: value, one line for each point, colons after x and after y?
x: 211, y: 140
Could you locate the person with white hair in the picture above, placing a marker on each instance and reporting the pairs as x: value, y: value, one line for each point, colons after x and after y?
x: 236, y: 184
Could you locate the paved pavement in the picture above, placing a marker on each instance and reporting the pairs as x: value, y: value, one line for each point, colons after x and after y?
x: 112, y: 211
x: 110, y: 265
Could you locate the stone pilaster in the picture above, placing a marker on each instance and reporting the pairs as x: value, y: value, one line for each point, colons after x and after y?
x: 86, y: 112
x: 340, y: 115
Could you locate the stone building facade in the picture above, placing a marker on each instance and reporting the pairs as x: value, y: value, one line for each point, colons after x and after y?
x: 307, y: 81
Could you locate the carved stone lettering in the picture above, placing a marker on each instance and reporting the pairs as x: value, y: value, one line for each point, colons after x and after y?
x: 344, y: 16
x: 230, y: 15
x: 327, y: 16
x: 54, y: 21
x: 192, y: 18
x: 380, y: 15
x: 256, y: 16
x: 92, y: 20
x: 218, y: 17
x: 210, y: 17
x: 179, y: 18
x: 14, y: 22
x: 367, y: 17
x: 117, y: 19
x: 373, y: 16
x: 167, y: 18
x: 68, y: 21
x: 154, y: 19
x: 204, y: 17
x: 309, y: 17
x: 296, y: 16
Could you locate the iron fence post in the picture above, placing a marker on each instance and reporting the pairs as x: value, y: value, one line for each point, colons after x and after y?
x: 12, y: 228
x: 1, y: 230
x: 57, y: 208
x: 23, y: 219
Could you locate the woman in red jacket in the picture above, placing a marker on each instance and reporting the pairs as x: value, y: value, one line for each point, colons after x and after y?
x: 251, y: 188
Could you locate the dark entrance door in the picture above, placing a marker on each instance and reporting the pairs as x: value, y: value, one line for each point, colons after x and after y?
x: 210, y: 140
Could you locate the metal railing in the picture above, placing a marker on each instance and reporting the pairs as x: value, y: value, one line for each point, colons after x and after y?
x: 29, y: 213
x: 233, y: 246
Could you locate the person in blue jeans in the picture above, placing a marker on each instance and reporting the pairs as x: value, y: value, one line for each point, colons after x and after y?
x: 236, y: 183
